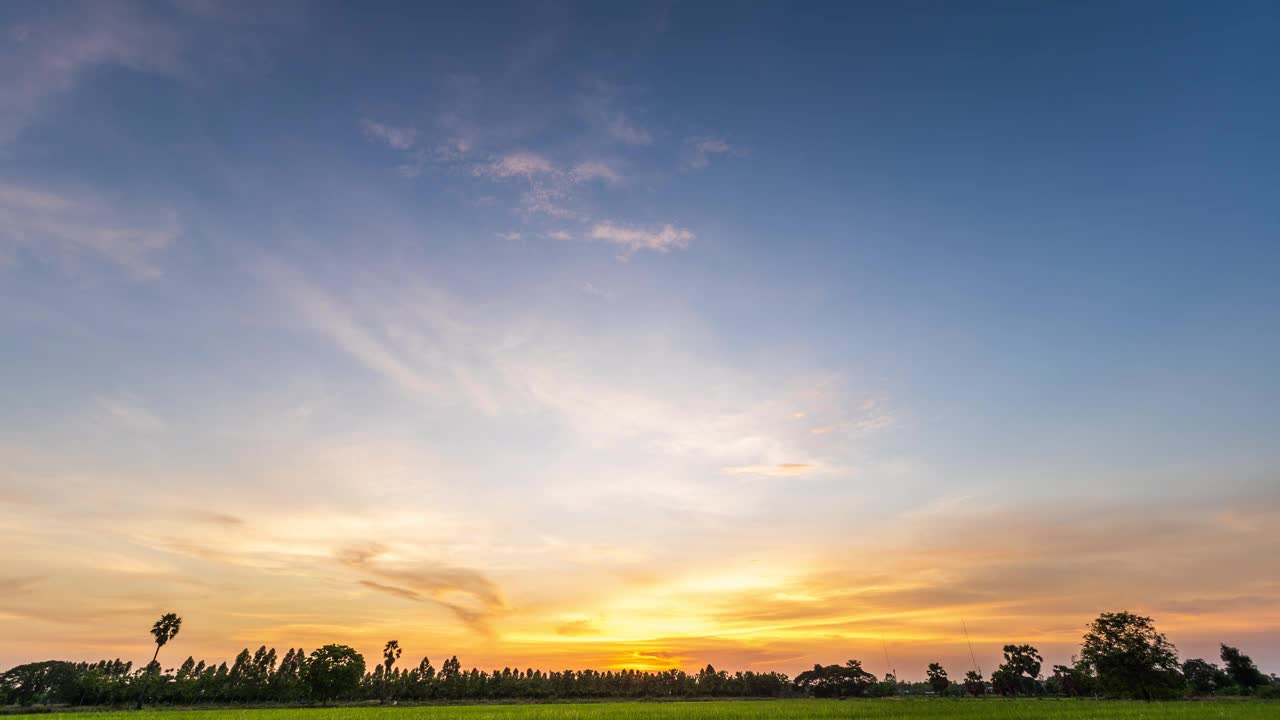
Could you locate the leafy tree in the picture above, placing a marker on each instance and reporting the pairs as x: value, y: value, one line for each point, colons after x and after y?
x: 1071, y: 680
x: 1204, y: 677
x: 1020, y: 671
x: 1130, y: 658
x: 848, y: 680
x: 334, y: 671
x: 937, y: 678
x: 51, y: 681
x: 974, y: 684
x: 1241, y: 670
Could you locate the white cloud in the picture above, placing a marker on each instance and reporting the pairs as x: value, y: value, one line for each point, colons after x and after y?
x: 418, y: 154
x: 44, y: 59
x: 453, y: 149
x: 516, y: 164
x: 510, y: 236
x: 623, y: 130
x: 777, y: 470
x: 663, y: 239
x: 560, y: 235
x: 704, y: 148
x: 594, y: 170
x: 318, y: 311
x: 398, y: 138
x: 634, y: 387
x: 595, y: 291
x: 62, y: 228
x: 872, y: 421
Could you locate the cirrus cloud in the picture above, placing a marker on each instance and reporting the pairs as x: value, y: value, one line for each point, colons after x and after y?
x: 633, y: 239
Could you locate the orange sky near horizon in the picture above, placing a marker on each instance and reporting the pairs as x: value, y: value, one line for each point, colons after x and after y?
x: 638, y: 335
x: 86, y: 586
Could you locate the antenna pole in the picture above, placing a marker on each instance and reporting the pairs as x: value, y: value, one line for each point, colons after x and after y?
x: 966, y: 639
x: 888, y: 663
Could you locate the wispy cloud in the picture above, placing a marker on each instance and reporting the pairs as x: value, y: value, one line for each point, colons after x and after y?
x: 510, y: 236
x: 397, y: 138
x: 439, y: 352
x: 44, y: 59
x: 596, y: 291
x: 417, y: 154
x: 129, y: 412
x: 702, y: 150
x: 622, y: 129
x: 517, y: 164
x: 633, y: 239
x: 560, y: 235
x: 64, y: 228
x: 594, y: 170
x: 471, y: 596
x: 779, y: 470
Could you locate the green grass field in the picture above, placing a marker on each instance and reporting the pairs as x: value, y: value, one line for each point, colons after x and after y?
x: 738, y: 710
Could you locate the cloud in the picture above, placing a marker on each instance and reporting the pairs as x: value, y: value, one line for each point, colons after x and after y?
x: 602, y: 390
x: 872, y: 422
x: 45, y: 58
x: 560, y: 235
x: 417, y: 154
x: 547, y: 187
x: 130, y: 413
x: 63, y: 229
x: 510, y: 236
x: 325, y: 315
x: 623, y: 130
x: 219, y: 519
x: 397, y: 138
x: 595, y: 291
x: 703, y: 149
x: 663, y: 239
x: 578, y: 628
x: 516, y: 164
x: 779, y: 470
x: 469, y: 595
x: 547, y: 199
x: 594, y: 170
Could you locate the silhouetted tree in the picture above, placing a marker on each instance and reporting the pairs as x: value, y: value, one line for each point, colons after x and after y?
x: 164, y: 630
x: 390, y: 653
x: 1121, y: 649
x: 1204, y: 677
x: 1129, y: 657
x: 848, y: 680
x: 51, y: 681
x: 1071, y: 680
x: 334, y: 671
x: 1240, y: 668
x: 1020, y: 671
x: 938, y: 679
x: 974, y: 684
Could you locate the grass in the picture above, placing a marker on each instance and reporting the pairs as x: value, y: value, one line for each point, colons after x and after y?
x: 949, y: 709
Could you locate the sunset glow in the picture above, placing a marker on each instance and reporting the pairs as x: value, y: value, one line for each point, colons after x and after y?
x: 578, y: 336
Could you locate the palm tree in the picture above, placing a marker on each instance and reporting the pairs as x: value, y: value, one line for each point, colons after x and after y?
x: 165, y: 629
x: 390, y: 654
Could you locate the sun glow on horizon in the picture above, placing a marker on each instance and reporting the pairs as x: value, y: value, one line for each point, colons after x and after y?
x: 616, y: 335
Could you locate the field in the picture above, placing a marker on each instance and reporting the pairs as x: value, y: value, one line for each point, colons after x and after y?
x: 740, y: 710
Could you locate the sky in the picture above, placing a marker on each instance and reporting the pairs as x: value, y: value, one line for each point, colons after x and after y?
x: 638, y: 335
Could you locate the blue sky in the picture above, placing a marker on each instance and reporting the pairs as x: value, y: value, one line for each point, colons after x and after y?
x: 428, y: 303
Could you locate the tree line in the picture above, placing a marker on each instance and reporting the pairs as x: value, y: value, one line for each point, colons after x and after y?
x: 1122, y: 655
